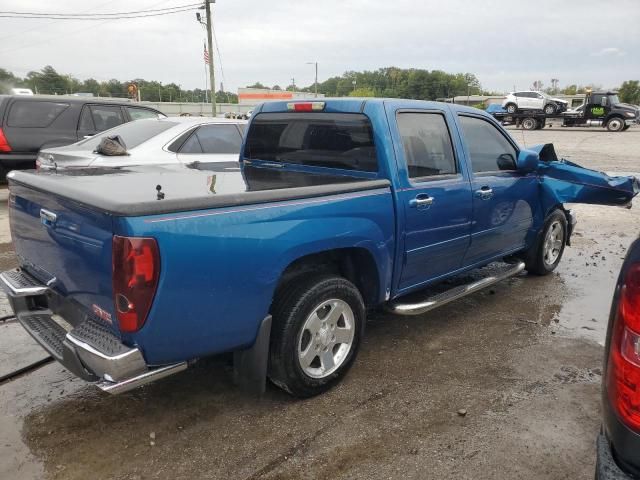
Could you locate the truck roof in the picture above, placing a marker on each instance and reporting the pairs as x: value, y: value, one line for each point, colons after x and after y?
x: 357, y: 105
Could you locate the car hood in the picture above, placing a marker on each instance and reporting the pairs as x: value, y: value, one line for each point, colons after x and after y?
x: 626, y: 107
x: 559, y: 100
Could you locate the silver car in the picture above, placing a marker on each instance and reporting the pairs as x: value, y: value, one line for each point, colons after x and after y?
x: 154, y: 141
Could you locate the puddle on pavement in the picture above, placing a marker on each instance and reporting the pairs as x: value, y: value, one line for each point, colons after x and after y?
x: 590, y: 269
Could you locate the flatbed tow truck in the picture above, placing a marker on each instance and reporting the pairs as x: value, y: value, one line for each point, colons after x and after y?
x: 601, y: 109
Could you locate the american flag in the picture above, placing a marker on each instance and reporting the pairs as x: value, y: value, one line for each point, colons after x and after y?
x: 206, y: 55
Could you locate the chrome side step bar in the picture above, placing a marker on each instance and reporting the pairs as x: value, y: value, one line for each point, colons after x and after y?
x: 116, y: 388
x: 453, y: 294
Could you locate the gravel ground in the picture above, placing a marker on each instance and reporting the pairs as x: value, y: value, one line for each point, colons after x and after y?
x: 523, y: 359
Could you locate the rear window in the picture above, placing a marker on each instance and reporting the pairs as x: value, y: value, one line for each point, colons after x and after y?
x: 333, y: 140
x: 133, y: 133
x: 34, y: 114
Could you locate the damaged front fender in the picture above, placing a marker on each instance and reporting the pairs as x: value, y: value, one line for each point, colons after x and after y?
x: 566, y: 182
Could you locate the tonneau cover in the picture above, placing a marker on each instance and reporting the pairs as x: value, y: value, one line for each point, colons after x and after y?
x: 150, y: 190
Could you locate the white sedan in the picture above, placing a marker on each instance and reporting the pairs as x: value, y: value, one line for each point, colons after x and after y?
x: 154, y: 141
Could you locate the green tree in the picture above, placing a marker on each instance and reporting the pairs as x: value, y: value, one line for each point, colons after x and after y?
x: 48, y: 81
x: 8, y: 81
x: 256, y: 85
x: 363, y: 92
x: 629, y: 92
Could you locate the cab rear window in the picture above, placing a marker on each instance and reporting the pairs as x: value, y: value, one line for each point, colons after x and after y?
x: 332, y: 140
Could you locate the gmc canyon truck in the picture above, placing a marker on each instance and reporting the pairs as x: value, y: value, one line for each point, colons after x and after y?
x: 130, y: 274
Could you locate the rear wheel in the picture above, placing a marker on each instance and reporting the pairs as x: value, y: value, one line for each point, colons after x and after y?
x: 529, y: 123
x: 546, y: 253
x: 615, y: 124
x: 511, y: 108
x: 316, y: 333
x: 550, y: 109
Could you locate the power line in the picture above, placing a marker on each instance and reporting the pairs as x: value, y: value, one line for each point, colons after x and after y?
x: 101, y: 18
x: 40, y: 27
x: 84, y: 14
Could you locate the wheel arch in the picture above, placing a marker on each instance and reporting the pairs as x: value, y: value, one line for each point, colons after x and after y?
x: 356, y: 264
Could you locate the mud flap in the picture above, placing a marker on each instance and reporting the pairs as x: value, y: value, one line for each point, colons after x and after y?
x: 250, y: 366
x: 566, y: 182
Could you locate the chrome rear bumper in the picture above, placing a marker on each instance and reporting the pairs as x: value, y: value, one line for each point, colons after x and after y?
x: 89, y: 349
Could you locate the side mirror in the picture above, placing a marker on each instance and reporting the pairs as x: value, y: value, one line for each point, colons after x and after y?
x: 527, y: 161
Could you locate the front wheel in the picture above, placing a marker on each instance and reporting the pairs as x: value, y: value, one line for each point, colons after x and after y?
x: 316, y: 333
x: 550, y: 109
x: 545, y: 255
x: 615, y: 124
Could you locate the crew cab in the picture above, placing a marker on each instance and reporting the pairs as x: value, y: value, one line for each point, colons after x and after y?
x: 131, y: 274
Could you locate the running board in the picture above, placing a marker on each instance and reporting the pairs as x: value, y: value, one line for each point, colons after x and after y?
x: 454, y: 293
x: 115, y: 388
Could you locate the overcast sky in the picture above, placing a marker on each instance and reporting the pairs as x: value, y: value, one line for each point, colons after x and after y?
x: 504, y: 42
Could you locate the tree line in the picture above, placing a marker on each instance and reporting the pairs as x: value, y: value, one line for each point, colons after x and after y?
x: 49, y: 81
x: 391, y: 82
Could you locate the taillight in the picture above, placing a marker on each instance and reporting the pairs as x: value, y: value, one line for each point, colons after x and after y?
x: 136, y: 269
x: 4, y: 145
x: 623, y: 370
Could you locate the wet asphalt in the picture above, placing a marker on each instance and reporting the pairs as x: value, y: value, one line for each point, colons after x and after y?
x: 523, y: 359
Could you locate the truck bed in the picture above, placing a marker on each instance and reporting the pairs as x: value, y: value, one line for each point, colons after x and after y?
x: 139, y: 191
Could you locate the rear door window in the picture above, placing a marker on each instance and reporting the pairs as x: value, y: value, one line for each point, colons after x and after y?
x: 106, y: 116
x: 333, y: 140
x: 31, y: 114
x: 427, y: 144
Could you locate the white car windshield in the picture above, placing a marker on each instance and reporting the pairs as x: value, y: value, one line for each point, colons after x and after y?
x: 133, y: 133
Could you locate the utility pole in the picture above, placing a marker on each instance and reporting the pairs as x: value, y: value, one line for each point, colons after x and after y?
x: 212, y: 77
x: 316, y: 82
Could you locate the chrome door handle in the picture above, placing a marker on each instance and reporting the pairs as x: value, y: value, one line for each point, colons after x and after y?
x: 421, y: 201
x: 485, y: 193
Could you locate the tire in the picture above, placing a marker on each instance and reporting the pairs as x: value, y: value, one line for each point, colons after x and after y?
x: 306, y: 357
x: 529, y: 123
x: 545, y: 255
x: 511, y: 108
x: 550, y: 109
x: 615, y: 124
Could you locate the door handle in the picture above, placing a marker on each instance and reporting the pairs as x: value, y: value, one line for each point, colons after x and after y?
x: 485, y: 193
x: 422, y: 201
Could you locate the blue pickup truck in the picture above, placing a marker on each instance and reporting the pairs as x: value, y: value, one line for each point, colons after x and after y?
x: 130, y: 274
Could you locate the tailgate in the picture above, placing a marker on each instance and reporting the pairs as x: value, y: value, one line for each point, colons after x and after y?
x: 63, y: 244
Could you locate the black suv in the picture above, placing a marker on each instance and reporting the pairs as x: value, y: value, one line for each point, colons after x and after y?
x: 619, y: 442
x: 29, y: 123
